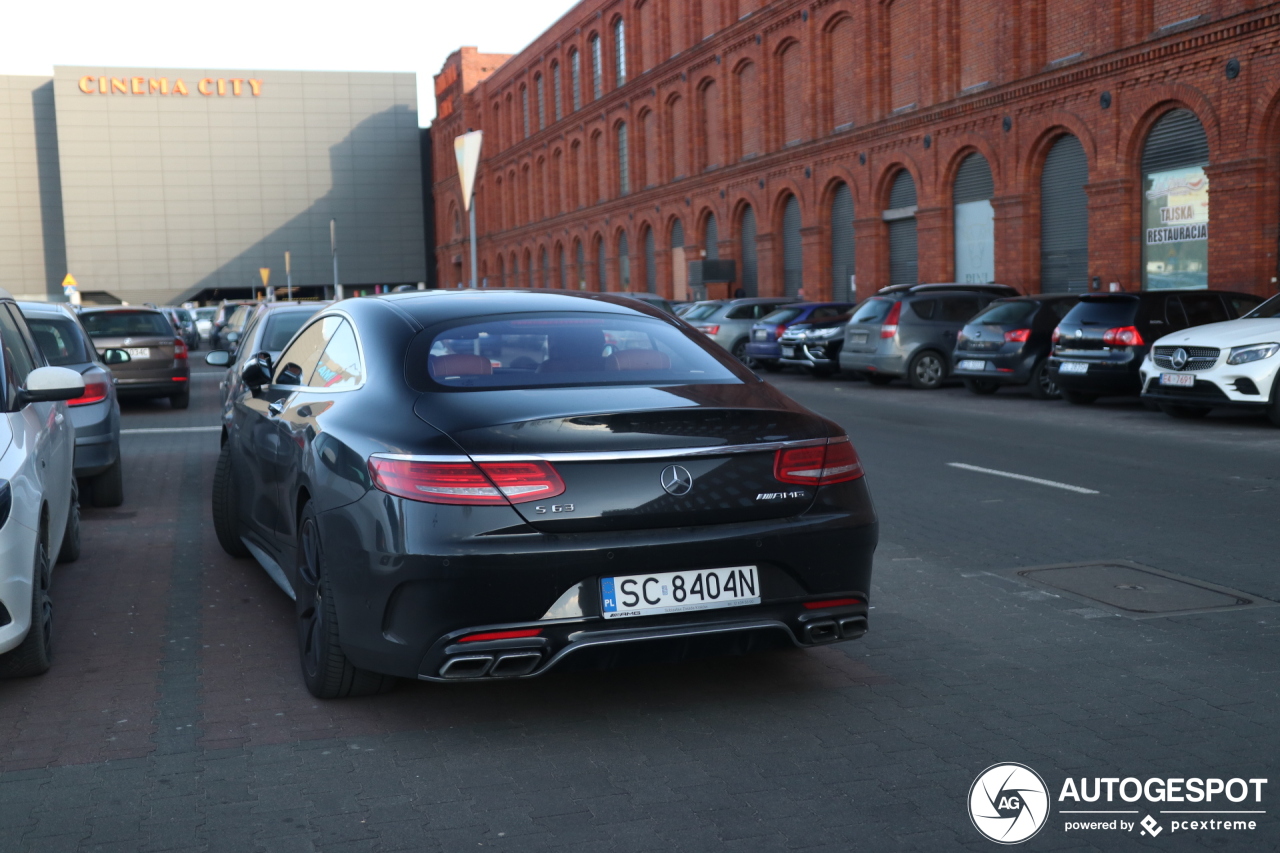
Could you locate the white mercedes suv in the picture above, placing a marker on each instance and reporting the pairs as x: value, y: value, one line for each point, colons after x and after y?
x: 1235, y: 364
x: 39, y: 508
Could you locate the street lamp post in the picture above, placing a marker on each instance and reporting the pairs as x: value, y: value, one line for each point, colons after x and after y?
x: 333, y: 247
x: 288, y: 279
x: 466, y: 148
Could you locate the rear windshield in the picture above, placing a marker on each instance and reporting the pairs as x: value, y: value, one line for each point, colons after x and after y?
x: 782, y: 315
x: 1267, y: 310
x: 59, y: 340
x: 205, y: 313
x: 700, y: 312
x: 1119, y: 311
x: 127, y: 324
x: 874, y: 310
x: 1006, y: 313
x: 540, y: 350
x: 282, y: 326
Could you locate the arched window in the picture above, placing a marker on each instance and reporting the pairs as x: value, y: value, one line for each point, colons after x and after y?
x: 497, y: 126
x: 624, y: 263
x: 975, y: 232
x: 597, y: 68
x: 557, y: 96
x: 542, y: 101
x: 711, y: 120
x: 579, y: 266
x: 711, y: 238
x: 544, y: 269
x: 528, y: 268
x: 747, y: 230
x: 901, y: 218
x: 792, y: 253
x: 791, y: 94
x: 1064, y: 219
x: 575, y: 171
x: 842, y: 270
x: 750, y: 125
x: 1175, y: 203
x: 648, y: 35
x: 561, y: 272
x: 457, y: 222
x: 619, y: 53
x: 524, y: 109
x: 680, y: 265
x: 650, y: 262
x: 624, y: 161
x: 678, y: 137
x: 599, y: 183
x: 502, y: 272
x: 601, y: 266
x: 575, y: 79
x: 650, y: 154
x: 515, y: 270
x: 840, y: 68
x: 554, y: 207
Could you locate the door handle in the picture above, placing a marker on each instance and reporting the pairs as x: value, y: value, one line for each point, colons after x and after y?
x: 276, y: 408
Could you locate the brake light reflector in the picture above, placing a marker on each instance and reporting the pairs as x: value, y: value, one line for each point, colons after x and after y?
x: 835, y: 602
x: 179, y: 349
x: 1017, y: 336
x: 835, y: 462
x: 466, y: 483
x: 1125, y: 336
x: 782, y: 327
x: 709, y: 330
x: 94, y: 392
x: 890, y: 327
x: 501, y: 635
x: 1057, y: 333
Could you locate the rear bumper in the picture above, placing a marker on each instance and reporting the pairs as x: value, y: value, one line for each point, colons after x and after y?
x: 1006, y: 369
x: 764, y: 351
x: 1104, y: 377
x: 97, y: 437
x: 17, y: 560
x: 892, y: 364
x: 812, y: 357
x: 402, y: 613
x: 163, y: 387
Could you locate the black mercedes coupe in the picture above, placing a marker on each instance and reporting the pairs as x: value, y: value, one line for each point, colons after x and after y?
x: 474, y: 485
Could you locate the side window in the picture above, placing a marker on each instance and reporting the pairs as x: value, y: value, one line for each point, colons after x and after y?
x: 742, y: 312
x: 1203, y: 308
x: 37, y: 357
x: 924, y: 308
x: 825, y: 313
x: 298, y: 361
x: 1238, y: 306
x: 1174, y: 314
x: 959, y: 309
x: 243, y: 350
x: 18, y: 361
x: 1062, y: 307
x: 339, y: 368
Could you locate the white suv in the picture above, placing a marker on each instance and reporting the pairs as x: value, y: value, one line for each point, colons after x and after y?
x: 1222, y: 365
x: 39, y: 508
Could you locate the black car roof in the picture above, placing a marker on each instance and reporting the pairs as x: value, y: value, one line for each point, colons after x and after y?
x: 433, y: 306
x: 915, y: 289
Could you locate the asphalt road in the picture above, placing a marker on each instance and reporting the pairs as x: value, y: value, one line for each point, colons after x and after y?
x: 174, y: 718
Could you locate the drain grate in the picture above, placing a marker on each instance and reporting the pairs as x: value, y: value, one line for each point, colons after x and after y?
x: 1140, y: 591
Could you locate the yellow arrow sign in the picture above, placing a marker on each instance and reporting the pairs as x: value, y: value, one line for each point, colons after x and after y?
x: 265, y: 272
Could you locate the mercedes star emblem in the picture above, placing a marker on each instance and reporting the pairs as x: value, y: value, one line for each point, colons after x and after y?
x: 1178, y: 359
x: 677, y: 480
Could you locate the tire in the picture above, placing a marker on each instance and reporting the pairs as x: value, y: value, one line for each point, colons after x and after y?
x: 879, y: 379
x: 224, y: 507
x: 182, y: 400
x: 1273, y: 410
x: 34, y: 655
x: 1042, y: 385
x: 1186, y: 413
x: 927, y: 370
x: 107, y: 489
x: 982, y: 387
x: 1078, y: 398
x: 326, y: 670
x: 739, y: 350
x: 70, y: 550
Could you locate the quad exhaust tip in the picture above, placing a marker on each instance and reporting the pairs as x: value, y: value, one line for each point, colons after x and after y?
x: 511, y: 665
x: 830, y: 630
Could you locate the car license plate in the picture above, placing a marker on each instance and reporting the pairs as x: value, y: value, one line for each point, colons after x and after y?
x: 857, y: 337
x: 678, y: 592
x: 1074, y: 367
x: 1178, y: 380
x: 762, y: 335
x: 138, y: 352
x: 788, y: 352
x: 972, y: 364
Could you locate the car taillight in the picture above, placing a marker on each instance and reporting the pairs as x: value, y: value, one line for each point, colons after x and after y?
x: 179, y: 349
x: 777, y: 333
x: 709, y: 330
x: 836, y: 462
x: 1057, y: 333
x: 1125, y: 336
x: 1017, y: 336
x: 890, y: 327
x: 519, y: 634
x: 487, y: 484
x: 94, y: 392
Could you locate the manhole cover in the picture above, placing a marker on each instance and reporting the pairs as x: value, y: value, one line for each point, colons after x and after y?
x: 1139, y: 590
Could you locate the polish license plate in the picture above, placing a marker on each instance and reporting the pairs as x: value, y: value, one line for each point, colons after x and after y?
x: 1178, y: 380
x: 972, y: 364
x: 1074, y: 367
x: 761, y: 335
x: 857, y: 337
x: 138, y: 352
x: 788, y: 352
x: 678, y: 592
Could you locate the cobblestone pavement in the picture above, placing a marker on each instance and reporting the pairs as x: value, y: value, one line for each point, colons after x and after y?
x: 175, y: 719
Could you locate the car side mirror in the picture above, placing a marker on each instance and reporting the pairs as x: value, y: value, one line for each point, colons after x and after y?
x: 48, y: 384
x: 116, y: 356
x: 257, y: 372
x: 218, y: 358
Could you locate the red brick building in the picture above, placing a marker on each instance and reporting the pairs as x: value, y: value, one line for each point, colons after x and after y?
x: 1047, y: 144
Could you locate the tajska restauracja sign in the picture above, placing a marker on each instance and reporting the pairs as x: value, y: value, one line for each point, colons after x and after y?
x: 207, y: 86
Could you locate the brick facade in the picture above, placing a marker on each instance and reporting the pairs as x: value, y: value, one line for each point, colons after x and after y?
x: 797, y: 97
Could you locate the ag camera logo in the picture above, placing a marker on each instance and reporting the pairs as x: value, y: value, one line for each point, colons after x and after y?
x: 1008, y: 803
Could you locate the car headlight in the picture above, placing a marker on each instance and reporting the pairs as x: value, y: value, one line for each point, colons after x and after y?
x: 1253, y: 352
x: 824, y: 334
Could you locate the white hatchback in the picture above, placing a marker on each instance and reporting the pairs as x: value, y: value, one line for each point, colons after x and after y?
x: 39, y: 508
x: 1235, y: 364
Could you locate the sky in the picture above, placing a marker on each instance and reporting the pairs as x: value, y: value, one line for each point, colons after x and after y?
x: 303, y: 35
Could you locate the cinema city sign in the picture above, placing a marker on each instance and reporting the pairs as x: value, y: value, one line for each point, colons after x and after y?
x: 207, y: 86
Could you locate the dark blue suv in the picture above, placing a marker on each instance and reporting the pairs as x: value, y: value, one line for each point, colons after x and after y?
x: 762, y: 344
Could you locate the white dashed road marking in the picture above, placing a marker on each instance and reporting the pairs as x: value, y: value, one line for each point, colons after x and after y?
x: 1024, y: 478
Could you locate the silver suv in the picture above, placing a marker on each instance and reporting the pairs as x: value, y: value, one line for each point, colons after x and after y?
x: 729, y: 323
x: 909, y: 331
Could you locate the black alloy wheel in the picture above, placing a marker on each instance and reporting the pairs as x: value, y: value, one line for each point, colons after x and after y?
x: 1273, y: 409
x: 34, y: 655
x: 739, y: 351
x: 982, y: 387
x: 70, y: 550
x: 326, y: 670
x: 926, y: 371
x: 1042, y: 385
